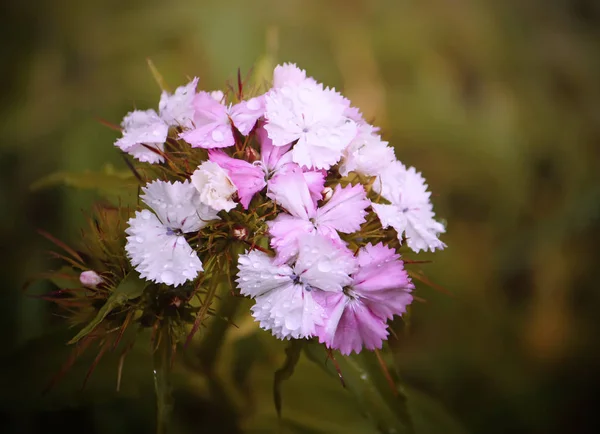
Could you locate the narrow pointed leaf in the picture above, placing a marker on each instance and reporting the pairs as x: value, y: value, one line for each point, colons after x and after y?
x: 130, y: 287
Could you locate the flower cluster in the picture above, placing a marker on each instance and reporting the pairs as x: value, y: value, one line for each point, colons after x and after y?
x: 310, y: 183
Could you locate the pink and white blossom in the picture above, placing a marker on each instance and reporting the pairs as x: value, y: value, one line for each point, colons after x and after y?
x: 213, y: 120
x: 410, y: 212
x: 284, y: 292
x: 357, y: 317
x: 344, y: 212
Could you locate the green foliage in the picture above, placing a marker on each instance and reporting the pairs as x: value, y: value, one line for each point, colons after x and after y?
x: 130, y: 288
x: 108, y: 181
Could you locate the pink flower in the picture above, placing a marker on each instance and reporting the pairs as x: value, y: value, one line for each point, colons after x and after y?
x: 344, y: 212
x: 356, y: 318
x: 250, y: 178
x: 213, y: 121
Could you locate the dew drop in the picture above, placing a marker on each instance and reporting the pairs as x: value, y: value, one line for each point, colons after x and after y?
x: 146, y: 214
x: 139, y: 239
x: 167, y: 277
x: 217, y: 136
x: 181, y: 241
x: 324, y: 266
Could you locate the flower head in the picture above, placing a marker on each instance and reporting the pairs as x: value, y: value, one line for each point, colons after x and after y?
x: 357, y: 317
x: 142, y: 131
x: 284, y: 292
x: 215, y: 187
x: 344, y: 212
x: 410, y: 211
x: 213, y: 120
x: 156, y: 244
x: 302, y: 111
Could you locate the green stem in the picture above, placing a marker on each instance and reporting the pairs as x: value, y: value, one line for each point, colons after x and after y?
x: 162, y: 384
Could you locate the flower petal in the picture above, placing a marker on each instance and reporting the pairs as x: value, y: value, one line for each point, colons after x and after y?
x: 157, y: 254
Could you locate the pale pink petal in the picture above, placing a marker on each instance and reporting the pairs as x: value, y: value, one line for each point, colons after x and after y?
x: 285, y: 232
x: 272, y: 157
x: 245, y: 114
x: 212, y: 128
x: 289, y: 74
x: 345, y: 211
x: 289, y: 189
x: 248, y: 178
x: 381, y: 281
x: 351, y: 325
x: 315, y: 180
x: 323, y: 265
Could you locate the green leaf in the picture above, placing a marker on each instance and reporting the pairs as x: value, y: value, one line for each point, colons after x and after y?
x: 108, y: 180
x: 292, y: 355
x: 130, y: 287
x: 367, y: 384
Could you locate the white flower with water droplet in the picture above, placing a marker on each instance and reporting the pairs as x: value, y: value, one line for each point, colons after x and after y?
x: 367, y: 154
x: 177, y: 109
x: 300, y: 110
x: 214, y: 185
x: 284, y: 293
x: 143, y: 130
x: 410, y: 211
x: 156, y: 244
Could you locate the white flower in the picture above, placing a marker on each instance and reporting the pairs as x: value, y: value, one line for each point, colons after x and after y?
x: 215, y: 187
x: 301, y: 110
x: 367, y: 154
x: 410, y: 211
x: 284, y: 293
x: 143, y: 130
x: 177, y: 109
x: 155, y: 243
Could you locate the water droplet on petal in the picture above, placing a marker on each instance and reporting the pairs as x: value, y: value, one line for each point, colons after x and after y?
x: 167, y: 277
x: 217, y: 136
x: 146, y: 214
x: 139, y: 239
x: 181, y: 241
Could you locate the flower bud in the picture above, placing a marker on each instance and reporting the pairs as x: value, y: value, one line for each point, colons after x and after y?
x: 239, y: 232
x: 90, y: 279
x: 327, y: 193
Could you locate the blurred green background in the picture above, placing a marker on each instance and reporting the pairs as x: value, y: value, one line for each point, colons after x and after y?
x: 497, y: 102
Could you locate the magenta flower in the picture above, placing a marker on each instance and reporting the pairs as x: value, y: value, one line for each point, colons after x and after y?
x: 344, y: 212
x: 213, y: 120
x: 357, y: 316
